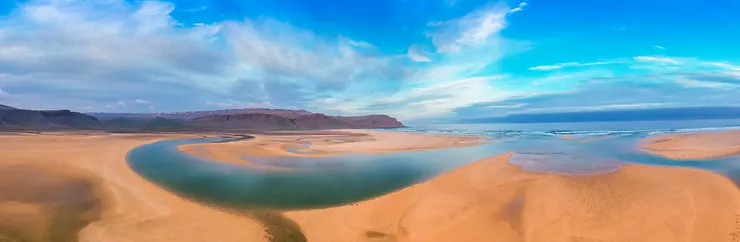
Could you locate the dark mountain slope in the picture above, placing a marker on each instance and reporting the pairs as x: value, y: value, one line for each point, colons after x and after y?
x: 12, y: 117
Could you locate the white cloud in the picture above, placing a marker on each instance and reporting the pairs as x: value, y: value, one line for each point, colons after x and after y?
x: 465, y: 47
x: 505, y: 106
x: 230, y: 103
x: 94, y: 51
x: 3, y: 93
x: 75, y: 44
x: 598, y: 107
x: 724, y: 65
x: 659, y: 60
x: 659, y: 47
x: 472, y: 30
x: 151, y: 107
x: 277, y: 50
x: 520, y: 7
x: 692, y: 83
x: 428, y: 101
x: 569, y: 64
x: 141, y: 101
x: 417, y: 54
x: 108, y: 106
x: 121, y: 104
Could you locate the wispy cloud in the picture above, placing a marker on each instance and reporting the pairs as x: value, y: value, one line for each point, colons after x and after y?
x: 692, y: 83
x: 230, y: 103
x: 141, y: 101
x: 417, y: 54
x: 724, y: 65
x: 570, y: 64
x: 278, y: 52
x: 472, y: 30
x: 659, y: 47
x: 519, y: 7
x: 660, y: 60
x: 580, y: 108
x: 138, y: 48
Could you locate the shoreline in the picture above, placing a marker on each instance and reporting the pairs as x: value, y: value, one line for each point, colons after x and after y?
x: 635, y: 203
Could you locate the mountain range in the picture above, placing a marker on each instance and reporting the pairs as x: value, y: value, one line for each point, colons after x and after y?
x: 229, y: 119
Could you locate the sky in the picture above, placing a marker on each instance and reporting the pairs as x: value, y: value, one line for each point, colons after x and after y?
x: 417, y: 60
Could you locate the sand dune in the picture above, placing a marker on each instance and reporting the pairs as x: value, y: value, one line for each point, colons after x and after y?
x: 695, y: 145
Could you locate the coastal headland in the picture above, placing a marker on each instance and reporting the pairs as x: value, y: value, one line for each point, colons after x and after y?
x: 83, y: 180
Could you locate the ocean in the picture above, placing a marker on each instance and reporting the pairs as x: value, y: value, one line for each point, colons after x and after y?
x: 498, y: 130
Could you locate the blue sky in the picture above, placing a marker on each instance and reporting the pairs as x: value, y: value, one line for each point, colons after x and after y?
x: 416, y: 60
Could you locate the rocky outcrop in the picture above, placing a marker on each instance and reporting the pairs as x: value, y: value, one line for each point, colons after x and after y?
x: 22, y: 118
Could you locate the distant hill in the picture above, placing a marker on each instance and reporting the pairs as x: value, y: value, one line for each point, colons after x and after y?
x: 42, y: 119
x: 3, y: 107
x: 197, y: 114
x: 243, y: 119
x: 687, y: 113
x: 274, y: 121
x: 230, y: 119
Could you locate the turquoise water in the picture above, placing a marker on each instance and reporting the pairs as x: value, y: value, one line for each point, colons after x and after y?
x: 317, y: 182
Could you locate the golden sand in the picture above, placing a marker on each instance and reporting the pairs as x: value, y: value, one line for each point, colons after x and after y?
x: 489, y: 200
x: 132, y: 208
x: 695, y: 145
x: 492, y: 200
x: 333, y: 143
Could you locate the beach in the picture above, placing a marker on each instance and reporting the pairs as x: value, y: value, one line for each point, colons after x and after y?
x: 486, y: 200
x: 694, y: 145
x: 130, y: 208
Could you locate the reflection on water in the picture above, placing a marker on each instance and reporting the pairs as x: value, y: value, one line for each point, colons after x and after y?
x: 315, y: 182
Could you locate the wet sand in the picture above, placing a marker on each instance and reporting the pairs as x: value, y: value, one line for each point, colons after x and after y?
x: 695, y: 145
x: 489, y: 200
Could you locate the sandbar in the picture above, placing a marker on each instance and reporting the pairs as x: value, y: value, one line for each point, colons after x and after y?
x: 325, y: 143
x: 685, y: 146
